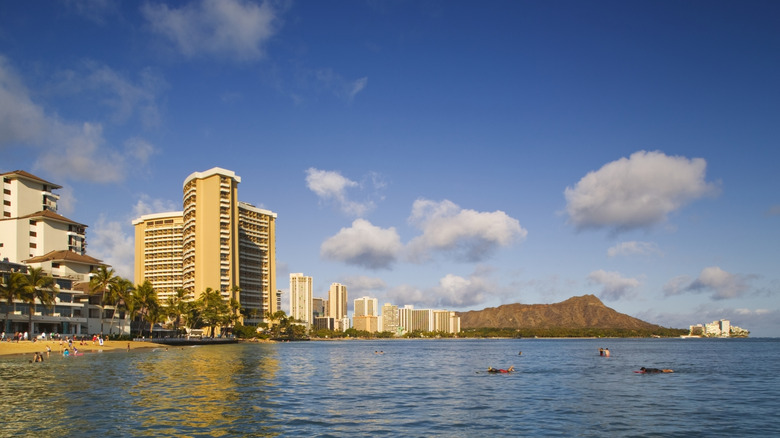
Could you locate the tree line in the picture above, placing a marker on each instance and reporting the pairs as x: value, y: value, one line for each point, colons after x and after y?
x: 139, y: 302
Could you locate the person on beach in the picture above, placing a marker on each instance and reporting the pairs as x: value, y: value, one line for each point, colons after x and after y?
x: 606, y: 352
x: 66, y: 353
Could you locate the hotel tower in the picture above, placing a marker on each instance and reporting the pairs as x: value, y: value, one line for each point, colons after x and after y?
x: 216, y: 242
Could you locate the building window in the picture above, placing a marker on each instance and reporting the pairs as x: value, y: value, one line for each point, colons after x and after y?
x: 55, y: 265
x: 6, y: 202
x: 7, y: 191
x: 7, y: 214
x: 33, y: 245
x: 32, y: 222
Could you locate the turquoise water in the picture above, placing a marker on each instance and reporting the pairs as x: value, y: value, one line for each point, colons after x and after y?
x: 416, y: 388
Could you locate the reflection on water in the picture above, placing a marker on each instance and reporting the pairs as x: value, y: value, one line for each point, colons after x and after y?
x: 416, y: 388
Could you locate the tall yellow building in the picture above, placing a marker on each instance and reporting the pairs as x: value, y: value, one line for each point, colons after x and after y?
x: 216, y: 242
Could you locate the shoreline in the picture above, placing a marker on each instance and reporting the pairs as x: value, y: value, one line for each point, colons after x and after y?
x: 29, y: 347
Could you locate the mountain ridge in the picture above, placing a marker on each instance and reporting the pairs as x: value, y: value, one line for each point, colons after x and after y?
x: 578, y: 312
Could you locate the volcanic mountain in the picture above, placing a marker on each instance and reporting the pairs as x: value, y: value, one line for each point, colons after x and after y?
x: 586, y: 311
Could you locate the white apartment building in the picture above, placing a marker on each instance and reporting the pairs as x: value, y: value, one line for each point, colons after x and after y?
x: 301, y: 300
x: 33, y: 234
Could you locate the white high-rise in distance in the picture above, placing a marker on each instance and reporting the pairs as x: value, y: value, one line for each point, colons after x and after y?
x: 301, y: 298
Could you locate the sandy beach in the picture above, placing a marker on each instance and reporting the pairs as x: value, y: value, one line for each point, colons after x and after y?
x: 29, y: 347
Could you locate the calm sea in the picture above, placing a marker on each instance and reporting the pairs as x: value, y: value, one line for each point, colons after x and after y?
x: 418, y: 388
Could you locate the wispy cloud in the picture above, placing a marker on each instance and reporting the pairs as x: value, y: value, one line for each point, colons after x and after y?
x: 122, y: 96
x: 96, y: 11
x: 342, y: 88
x: 466, y: 235
x: 222, y: 28
x: 773, y: 210
x: 634, y: 248
x: 65, y: 150
x: 636, y: 192
x: 613, y: 285
x: 363, y: 244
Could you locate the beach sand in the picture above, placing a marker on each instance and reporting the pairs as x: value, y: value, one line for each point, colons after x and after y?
x: 29, y: 347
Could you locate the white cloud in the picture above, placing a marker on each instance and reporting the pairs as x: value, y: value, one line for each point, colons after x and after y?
x: 712, y: 279
x: 363, y: 244
x: 614, y: 286
x: 466, y: 234
x: 722, y: 284
x: 452, y: 292
x: 332, y: 186
x: 634, y: 248
x: 636, y: 192
x: 109, y: 243
x: 224, y: 28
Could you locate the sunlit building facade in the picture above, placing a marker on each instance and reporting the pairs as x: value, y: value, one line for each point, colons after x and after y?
x: 158, y: 252
x: 226, y: 245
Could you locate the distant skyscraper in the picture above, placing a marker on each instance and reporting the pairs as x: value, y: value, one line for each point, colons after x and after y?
x: 300, y: 298
x: 337, y: 305
x: 319, y: 307
x: 365, y: 306
x: 390, y: 318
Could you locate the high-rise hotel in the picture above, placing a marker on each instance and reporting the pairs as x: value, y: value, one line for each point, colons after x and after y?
x: 216, y: 242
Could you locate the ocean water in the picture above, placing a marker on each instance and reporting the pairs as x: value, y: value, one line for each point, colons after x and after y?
x: 415, y: 388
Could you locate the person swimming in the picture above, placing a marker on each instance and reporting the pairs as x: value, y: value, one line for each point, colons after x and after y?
x: 492, y: 370
x: 655, y: 370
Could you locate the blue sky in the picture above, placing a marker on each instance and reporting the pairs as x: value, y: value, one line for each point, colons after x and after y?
x: 445, y: 154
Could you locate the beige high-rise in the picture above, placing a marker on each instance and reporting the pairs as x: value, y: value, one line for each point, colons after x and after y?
x: 226, y: 245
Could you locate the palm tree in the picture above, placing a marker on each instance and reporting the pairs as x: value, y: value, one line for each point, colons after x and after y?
x: 12, y: 289
x: 100, y: 283
x: 177, y: 306
x: 146, y: 304
x: 39, y: 287
x: 211, y: 304
x: 119, y: 294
